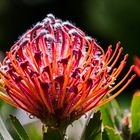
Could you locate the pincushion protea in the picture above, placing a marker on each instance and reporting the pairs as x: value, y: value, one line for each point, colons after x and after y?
x: 57, y: 73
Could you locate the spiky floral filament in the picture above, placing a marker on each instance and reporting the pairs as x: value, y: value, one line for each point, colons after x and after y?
x: 55, y: 70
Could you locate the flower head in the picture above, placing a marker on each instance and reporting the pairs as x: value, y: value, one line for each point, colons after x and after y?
x: 57, y: 73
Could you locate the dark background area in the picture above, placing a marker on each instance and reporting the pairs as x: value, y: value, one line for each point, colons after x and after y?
x: 106, y: 20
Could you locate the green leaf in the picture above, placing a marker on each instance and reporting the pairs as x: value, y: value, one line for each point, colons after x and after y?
x: 93, y: 128
x: 4, y: 134
x: 106, y: 115
x: 1, y: 103
x: 116, y: 113
x: 116, y: 108
x: 110, y: 134
x: 111, y: 114
x: 135, y: 116
x: 33, y: 131
x: 19, y: 128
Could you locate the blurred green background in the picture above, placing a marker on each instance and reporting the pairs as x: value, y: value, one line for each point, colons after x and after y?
x: 106, y: 20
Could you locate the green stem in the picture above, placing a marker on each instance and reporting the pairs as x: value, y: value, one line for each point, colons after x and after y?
x: 51, y: 133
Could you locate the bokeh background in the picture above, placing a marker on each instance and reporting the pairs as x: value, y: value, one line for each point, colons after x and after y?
x: 106, y: 20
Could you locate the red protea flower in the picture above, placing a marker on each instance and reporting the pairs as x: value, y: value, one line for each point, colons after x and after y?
x: 137, y: 65
x: 57, y: 73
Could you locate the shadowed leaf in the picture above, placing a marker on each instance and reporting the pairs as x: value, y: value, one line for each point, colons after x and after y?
x: 93, y: 128
x: 19, y: 128
x: 52, y: 134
